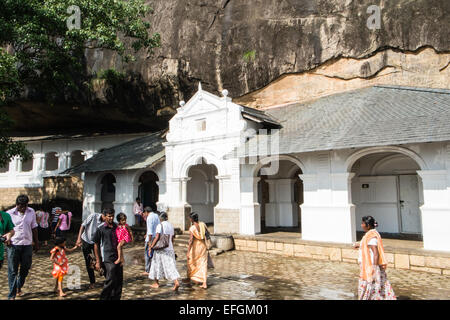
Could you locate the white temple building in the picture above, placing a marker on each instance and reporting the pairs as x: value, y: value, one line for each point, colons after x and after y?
x: 315, y: 167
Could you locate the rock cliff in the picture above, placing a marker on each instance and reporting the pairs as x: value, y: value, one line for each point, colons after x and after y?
x: 265, y: 53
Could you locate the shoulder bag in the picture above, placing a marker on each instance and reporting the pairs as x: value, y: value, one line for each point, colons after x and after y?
x: 163, y: 241
x: 207, y: 239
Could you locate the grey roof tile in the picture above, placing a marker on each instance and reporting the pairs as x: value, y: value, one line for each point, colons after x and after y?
x: 135, y: 154
x: 379, y: 115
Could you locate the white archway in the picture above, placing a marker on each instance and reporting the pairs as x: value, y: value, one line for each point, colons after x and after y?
x: 367, y: 151
x: 386, y: 186
x: 197, y: 157
x: 269, y: 159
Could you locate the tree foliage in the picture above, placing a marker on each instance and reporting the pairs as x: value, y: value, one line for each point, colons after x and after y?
x: 46, y: 55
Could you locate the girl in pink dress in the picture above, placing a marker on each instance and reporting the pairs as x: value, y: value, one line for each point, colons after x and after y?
x: 60, y: 263
x: 124, y: 235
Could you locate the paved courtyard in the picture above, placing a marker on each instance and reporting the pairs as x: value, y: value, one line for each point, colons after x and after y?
x: 237, y: 275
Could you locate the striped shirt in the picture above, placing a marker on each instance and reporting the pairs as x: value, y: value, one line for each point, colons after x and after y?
x: 91, y: 224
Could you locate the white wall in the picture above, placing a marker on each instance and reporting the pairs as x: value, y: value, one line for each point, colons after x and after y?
x: 15, y: 177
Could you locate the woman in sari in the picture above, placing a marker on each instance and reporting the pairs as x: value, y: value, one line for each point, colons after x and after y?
x: 197, y: 254
x: 373, y: 282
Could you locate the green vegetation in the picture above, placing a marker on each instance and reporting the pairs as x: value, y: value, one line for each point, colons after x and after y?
x: 47, y: 57
x: 249, y: 56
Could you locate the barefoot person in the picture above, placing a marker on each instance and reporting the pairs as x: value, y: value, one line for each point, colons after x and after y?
x: 152, y: 219
x: 373, y: 283
x: 20, y: 251
x: 163, y: 264
x: 105, y: 239
x: 60, y: 263
x: 124, y: 236
x: 86, y: 241
x: 197, y: 253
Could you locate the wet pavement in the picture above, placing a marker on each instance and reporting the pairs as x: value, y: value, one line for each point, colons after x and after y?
x: 237, y: 275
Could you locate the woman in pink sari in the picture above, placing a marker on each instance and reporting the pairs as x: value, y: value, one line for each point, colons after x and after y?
x: 197, y: 254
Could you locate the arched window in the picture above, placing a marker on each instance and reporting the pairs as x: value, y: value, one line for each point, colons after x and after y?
x: 77, y: 157
x: 27, y: 166
x: 51, y: 161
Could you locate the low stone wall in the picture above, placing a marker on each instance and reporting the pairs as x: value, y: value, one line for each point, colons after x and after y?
x: 226, y: 220
x: 54, y: 187
x: 398, y: 258
x: 8, y: 196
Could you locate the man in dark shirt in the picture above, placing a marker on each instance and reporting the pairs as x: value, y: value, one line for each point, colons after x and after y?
x: 105, y: 241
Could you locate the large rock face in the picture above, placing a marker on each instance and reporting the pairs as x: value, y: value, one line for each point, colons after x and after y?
x: 270, y: 52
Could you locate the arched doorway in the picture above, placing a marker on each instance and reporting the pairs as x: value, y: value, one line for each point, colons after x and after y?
x: 387, y: 187
x: 148, y: 188
x: 108, y: 193
x: 203, y: 191
x: 280, y: 196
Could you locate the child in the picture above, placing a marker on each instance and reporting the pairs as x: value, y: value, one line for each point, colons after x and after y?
x: 60, y: 265
x: 124, y: 235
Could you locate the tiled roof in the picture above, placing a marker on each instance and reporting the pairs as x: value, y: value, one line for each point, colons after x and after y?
x: 375, y: 116
x: 135, y: 154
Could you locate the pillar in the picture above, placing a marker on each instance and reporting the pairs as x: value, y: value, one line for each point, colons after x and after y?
x: 436, y: 209
x: 331, y: 218
x: 250, y: 213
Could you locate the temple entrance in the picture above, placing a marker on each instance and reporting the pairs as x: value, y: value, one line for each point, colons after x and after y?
x: 148, y: 188
x: 108, y: 193
x: 203, y: 192
x: 280, y: 196
x: 387, y: 187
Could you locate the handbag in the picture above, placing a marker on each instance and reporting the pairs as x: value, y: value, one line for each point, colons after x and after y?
x: 163, y: 241
x: 207, y: 239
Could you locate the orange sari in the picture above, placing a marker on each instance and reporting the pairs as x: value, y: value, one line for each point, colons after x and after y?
x: 367, y: 269
x: 197, y: 259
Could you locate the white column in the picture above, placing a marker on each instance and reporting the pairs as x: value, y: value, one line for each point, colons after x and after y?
x: 38, y: 164
x: 162, y: 204
x: 62, y: 161
x: 329, y: 219
x: 436, y: 209
x: 184, y: 182
x: 250, y: 213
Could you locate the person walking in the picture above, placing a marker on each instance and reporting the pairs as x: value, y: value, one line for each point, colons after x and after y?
x: 20, y: 251
x: 43, y: 226
x: 60, y: 263
x: 197, y: 253
x: 6, y: 233
x: 138, y: 209
x: 62, y: 227
x: 152, y: 219
x: 105, y: 239
x: 56, y: 212
x: 163, y: 262
x: 85, y: 240
x: 373, y: 283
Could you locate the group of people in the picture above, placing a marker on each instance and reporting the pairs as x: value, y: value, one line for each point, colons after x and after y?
x: 56, y: 224
x: 102, y: 241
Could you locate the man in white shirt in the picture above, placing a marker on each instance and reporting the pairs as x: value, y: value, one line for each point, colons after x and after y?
x: 152, y: 219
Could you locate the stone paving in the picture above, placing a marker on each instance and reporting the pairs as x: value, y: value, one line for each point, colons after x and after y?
x: 237, y: 275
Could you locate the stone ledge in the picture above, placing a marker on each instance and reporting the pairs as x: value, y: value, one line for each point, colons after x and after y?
x: 397, y: 258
